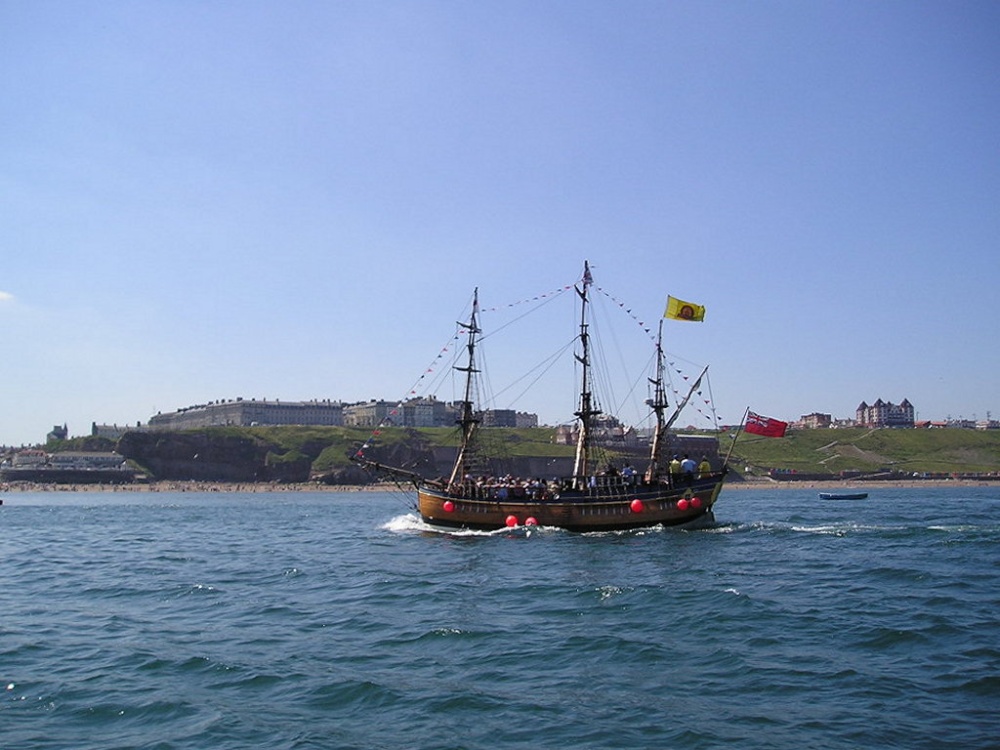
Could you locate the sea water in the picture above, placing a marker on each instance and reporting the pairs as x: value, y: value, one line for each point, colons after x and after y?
x: 338, y: 620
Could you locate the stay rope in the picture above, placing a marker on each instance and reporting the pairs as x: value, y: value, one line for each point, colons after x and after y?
x: 430, y: 374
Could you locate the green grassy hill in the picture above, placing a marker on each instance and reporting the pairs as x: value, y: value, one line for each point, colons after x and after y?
x: 866, y: 450
x: 325, y: 449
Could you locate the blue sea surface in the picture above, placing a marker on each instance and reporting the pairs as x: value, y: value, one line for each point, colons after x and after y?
x: 338, y: 620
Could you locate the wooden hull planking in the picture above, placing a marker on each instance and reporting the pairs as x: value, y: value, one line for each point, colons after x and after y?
x: 575, y: 510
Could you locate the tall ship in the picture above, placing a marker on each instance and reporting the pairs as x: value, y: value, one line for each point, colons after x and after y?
x: 598, y: 495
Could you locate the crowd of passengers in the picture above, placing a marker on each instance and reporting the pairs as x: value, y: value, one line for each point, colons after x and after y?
x: 682, y: 473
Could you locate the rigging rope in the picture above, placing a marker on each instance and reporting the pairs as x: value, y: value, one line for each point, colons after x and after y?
x: 419, y: 387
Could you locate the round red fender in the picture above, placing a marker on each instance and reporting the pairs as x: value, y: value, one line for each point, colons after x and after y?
x: 449, y: 506
x: 682, y: 504
x: 511, y: 521
x: 530, y: 521
x: 636, y: 506
x: 695, y: 502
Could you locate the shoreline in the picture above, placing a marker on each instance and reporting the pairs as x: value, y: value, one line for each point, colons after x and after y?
x: 309, y: 487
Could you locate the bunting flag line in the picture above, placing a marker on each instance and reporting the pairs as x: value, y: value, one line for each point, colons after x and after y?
x: 678, y: 309
x: 527, y: 300
x: 648, y: 330
x: 413, y: 392
x: 628, y: 311
x: 766, y: 426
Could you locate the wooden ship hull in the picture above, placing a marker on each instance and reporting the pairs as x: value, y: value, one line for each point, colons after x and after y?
x: 600, y: 509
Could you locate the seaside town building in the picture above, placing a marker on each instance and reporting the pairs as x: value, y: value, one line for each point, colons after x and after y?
x: 499, y: 418
x: 114, y: 431
x: 885, y: 414
x: 606, y: 431
x: 242, y: 413
x: 428, y: 412
x: 814, y: 421
x: 508, y: 418
x: 415, y: 412
x: 59, y: 432
x: 368, y: 413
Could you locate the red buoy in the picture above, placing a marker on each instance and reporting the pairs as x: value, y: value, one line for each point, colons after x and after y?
x: 448, y: 506
x: 682, y: 504
x: 511, y: 521
x: 695, y: 502
x: 636, y: 506
x: 530, y: 521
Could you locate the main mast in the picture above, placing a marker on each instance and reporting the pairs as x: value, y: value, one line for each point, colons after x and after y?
x: 659, y: 406
x: 586, y: 412
x: 467, y: 420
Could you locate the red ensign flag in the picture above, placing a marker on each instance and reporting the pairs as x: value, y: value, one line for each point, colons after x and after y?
x: 766, y: 426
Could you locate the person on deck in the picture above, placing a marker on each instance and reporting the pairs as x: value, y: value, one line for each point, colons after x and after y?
x: 704, y: 468
x: 628, y: 475
x: 688, y: 467
x: 675, y: 471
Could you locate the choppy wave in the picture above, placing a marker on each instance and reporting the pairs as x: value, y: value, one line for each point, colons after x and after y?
x: 338, y: 621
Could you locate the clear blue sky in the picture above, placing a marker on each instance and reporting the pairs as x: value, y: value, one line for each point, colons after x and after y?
x: 294, y: 200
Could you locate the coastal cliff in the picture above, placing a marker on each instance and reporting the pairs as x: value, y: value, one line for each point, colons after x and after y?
x: 207, y: 456
x: 242, y: 455
x: 271, y: 454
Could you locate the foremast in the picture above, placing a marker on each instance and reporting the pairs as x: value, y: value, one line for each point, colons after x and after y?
x: 587, y: 411
x: 467, y: 420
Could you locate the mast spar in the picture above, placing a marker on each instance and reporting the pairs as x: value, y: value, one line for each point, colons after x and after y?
x: 467, y: 420
x: 586, y: 412
x: 659, y: 406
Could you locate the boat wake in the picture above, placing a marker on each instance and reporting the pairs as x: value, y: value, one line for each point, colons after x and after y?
x: 412, y: 523
x: 841, y: 528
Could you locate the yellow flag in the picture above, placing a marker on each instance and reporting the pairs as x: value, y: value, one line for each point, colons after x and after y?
x: 678, y: 309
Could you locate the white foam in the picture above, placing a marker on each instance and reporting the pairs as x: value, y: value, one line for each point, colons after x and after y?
x: 411, y: 522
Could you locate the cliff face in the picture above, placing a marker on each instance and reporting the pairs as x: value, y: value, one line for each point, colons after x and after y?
x: 219, y: 456
x: 209, y: 457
